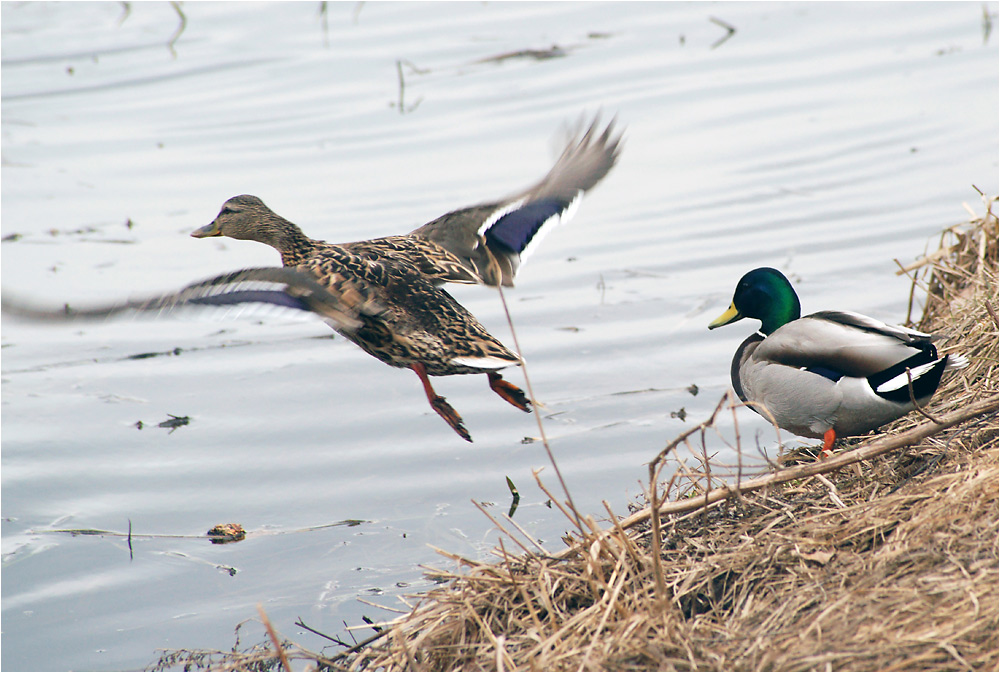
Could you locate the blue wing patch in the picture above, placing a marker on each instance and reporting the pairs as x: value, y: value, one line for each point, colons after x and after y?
x: 825, y: 372
x: 516, y: 229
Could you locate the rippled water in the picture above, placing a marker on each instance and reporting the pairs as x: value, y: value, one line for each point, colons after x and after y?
x: 825, y: 139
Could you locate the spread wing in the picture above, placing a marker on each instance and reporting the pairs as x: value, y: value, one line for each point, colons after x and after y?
x: 494, y: 238
x: 340, y: 301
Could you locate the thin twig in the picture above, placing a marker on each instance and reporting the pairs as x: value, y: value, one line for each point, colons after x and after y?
x: 916, y: 405
x: 730, y: 31
x: 655, y: 466
x: 180, y: 28
x: 913, y: 290
x: 499, y: 526
x: 687, y: 433
x: 993, y: 312
x: 528, y: 536
x: 555, y: 501
x: 626, y: 541
x: 274, y: 638
x: 654, y: 508
x: 402, y: 85
x: 332, y: 639
x: 538, y: 416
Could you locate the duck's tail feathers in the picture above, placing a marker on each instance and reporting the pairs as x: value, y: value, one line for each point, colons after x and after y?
x: 895, y: 383
x: 956, y: 361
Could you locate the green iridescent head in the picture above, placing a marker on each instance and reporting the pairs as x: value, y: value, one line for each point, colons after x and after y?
x: 764, y: 294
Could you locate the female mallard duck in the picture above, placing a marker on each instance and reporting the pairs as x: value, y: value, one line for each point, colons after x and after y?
x: 485, y: 243
x: 389, y: 309
x: 424, y: 328
x: 829, y: 374
x: 384, y: 294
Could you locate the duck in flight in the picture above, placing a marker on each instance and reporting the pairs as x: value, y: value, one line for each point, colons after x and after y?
x: 385, y: 294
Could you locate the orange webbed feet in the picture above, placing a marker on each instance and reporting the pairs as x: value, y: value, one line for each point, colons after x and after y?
x: 509, y: 392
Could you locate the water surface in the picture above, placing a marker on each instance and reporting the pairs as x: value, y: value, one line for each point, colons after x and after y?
x: 824, y: 139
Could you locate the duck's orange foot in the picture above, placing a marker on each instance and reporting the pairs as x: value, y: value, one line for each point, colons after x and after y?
x: 450, y: 416
x: 439, y: 404
x: 829, y: 437
x: 509, y: 392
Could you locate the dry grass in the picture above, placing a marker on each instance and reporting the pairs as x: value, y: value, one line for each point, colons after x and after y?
x: 884, y: 557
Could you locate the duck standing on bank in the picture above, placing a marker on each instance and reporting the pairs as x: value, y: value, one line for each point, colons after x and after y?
x: 385, y: 294
x: 829, y: 374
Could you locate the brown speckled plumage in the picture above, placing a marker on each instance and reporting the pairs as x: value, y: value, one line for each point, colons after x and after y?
x: 483, y: 243
x: 422, y: 327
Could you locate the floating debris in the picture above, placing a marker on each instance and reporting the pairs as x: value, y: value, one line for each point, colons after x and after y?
x: 174, y: 422
x: 226, y: 532
x: 555, y: 51
x: 403, y: 109
x: 152, y: 354
x: 730, y: 31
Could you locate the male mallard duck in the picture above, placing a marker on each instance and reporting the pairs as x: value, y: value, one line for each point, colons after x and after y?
x: 423, y: 327
x: 829, y: 374
x: 485, y: 243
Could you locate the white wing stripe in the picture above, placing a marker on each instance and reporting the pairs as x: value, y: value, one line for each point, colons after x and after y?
x: 498, y: 213
x: 565, y: 215
x: 899, y: 382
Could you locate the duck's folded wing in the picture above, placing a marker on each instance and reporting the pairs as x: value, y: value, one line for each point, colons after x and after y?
x: 843, y: 344
x: 873, y: 326
x: 494, y: 238
x: 341, y: 301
